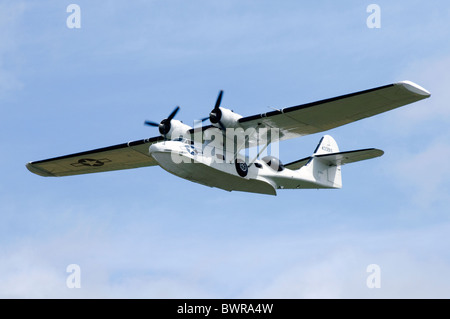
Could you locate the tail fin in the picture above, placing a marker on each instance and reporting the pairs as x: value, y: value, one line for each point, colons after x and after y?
x: 326, y: 145
x: 325, y: 173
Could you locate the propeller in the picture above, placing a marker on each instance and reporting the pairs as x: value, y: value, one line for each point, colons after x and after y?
x: 216, y: 113
x: 164, y: 126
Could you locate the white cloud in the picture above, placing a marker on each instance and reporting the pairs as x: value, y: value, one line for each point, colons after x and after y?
x: 328, y: 264
x: 412, y: 262
x: 23, y: 274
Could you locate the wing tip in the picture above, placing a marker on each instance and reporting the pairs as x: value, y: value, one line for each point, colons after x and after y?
x: 414, y: 88
x: 37, y: 171
x: 378, y: 152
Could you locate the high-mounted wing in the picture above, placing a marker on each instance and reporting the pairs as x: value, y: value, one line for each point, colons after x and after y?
x: 123, y: 156
x: 323, y: 115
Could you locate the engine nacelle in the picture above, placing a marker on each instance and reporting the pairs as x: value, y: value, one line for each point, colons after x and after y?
x: 222, y: 117
x: 175, y: 129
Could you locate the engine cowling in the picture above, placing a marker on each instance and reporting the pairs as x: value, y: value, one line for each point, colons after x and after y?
x: 170, y: 128
x: 174, y: 129
x: 224, y: 118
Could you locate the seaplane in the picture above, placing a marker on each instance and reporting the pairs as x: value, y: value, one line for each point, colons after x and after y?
x: 232, y: 152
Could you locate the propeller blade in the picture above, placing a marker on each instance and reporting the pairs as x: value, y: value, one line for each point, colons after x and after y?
x: 219, y: 99
x: 204, y: 119
x: 174, y: 112
x: 151, y: 123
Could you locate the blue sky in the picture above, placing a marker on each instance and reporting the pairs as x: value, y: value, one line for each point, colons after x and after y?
x: 147, y: 234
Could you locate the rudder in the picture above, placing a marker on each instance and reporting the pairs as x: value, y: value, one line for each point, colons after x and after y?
x: 324, y: 173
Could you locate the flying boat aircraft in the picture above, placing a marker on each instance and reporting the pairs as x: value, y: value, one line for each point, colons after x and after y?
x: 212, y: 155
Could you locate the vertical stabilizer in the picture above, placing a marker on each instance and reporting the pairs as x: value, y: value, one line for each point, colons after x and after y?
x: 326, y: 145
x: 329, y: 175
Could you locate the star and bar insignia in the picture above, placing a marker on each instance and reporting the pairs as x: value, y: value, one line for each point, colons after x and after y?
x: 90, y: 162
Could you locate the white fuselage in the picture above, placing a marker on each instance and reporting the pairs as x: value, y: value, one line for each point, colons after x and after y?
x: 207, y: 166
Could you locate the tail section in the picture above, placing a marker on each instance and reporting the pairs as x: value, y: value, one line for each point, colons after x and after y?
x: 326, y: 145
x: 326, y: 173
x: 324, y: 166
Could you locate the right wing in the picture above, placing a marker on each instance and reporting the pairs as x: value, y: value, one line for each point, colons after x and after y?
x: 123, y: 156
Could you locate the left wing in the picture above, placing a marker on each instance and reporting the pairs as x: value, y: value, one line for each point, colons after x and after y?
x: 318, y: 116
x: 122, y: 156
x: 326, y: 114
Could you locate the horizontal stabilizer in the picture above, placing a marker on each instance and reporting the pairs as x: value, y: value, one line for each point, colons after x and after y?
x: 348, y: 157
x: 340, y: 158
x: 298, y: 164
